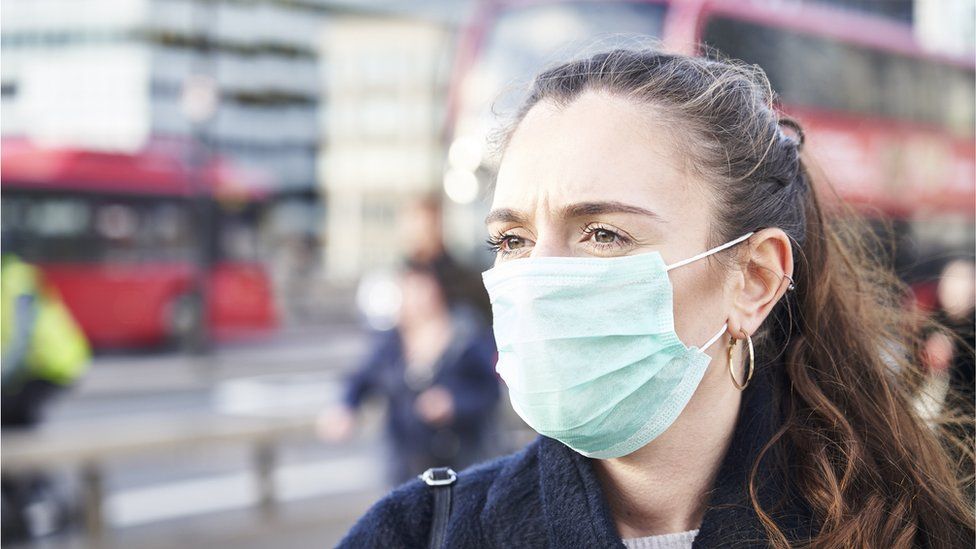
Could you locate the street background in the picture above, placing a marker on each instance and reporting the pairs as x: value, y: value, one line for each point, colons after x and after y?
x: 223, y: 194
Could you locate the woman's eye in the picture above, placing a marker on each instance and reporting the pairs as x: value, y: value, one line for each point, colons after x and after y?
x: 603, y: 236
x: 605, y: 240
x: 513, y: 242
x: 507, y: 244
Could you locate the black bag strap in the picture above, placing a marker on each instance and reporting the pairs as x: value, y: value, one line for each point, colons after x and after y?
x: 440, y: 480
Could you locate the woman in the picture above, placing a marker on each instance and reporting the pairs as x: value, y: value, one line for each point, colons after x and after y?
x: 435, y: 373
x: 703, y: 355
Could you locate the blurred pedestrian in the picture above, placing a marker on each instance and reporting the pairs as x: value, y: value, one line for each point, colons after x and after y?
x: 435, y: 371
x: 957, y: 312
x: 950, y: 349
x: 44, y: 349
x: 44, y: 352
x: 706, y: 358
x: 421, y: 231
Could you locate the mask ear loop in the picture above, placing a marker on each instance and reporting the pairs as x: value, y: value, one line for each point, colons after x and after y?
x: 707, y: 253
x: 704, y: 254
x: 715, y: 337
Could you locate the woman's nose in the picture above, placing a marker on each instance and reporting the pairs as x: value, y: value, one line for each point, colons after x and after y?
x: 549, y: 246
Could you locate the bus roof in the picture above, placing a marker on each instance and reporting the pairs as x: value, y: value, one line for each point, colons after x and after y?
x: 155, y: 171
x: 822, y: 18
x: 841, y: 23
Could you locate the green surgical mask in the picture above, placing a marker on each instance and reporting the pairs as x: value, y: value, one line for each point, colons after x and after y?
x: 588, y: 350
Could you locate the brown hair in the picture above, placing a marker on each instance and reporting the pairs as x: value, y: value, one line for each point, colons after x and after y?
x: 871, y: 470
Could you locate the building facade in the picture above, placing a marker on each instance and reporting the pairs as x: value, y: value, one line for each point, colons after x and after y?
x: 385, y: 80
x: 114, y: 74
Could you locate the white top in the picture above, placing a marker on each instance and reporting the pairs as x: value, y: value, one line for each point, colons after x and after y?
x: 680, y: 540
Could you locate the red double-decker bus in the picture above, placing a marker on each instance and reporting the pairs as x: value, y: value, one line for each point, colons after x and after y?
x: 890, y: 125
x: 119, y: 236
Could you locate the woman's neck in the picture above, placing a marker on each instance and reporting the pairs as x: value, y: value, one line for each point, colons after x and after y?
x: 663, y: 487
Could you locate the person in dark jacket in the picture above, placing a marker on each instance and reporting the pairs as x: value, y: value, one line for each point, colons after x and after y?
x: 706, y: 360
x: 421, y: 229
x: 435, y: 371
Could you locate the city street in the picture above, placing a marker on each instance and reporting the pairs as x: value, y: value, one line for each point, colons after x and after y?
x: 712, y: 261
x: 196, y: 497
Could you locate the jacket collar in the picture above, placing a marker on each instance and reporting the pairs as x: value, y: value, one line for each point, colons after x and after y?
x: 576, y: 513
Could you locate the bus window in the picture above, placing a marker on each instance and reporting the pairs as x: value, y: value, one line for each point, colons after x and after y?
x: 118, y: 225
x: 238, y: 233
x: 50, y: 228
x: 959, y: 96
x: 169, y: 231
x: 820, y: 72
x: 898, y: 89
x: 12, y: 214
x: 58, y: 218
x: 859, y: 81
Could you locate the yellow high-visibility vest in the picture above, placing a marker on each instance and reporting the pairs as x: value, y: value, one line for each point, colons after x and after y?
x: 57, y: 350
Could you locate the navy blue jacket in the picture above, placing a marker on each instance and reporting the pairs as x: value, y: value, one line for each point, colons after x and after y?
x: 547, y: 495
x: 466, y: 369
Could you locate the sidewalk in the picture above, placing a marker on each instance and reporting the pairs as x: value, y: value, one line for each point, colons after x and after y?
x: 313, y: 522
x: 295, y: 349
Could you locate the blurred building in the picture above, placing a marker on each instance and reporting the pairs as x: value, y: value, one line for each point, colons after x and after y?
x: 243, y: 77
x: 385, y: 80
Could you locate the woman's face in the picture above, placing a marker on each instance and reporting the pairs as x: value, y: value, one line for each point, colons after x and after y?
x: 603, y: 177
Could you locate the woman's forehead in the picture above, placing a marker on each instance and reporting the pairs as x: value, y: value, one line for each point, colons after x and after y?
x: 599, y: 148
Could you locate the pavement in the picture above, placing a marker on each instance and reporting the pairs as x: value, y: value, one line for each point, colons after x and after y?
x: 319, y: 348
x: 208, y: 496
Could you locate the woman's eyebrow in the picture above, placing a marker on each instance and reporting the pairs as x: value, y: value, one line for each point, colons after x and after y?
x: 506, y: 215
x: 579, y: 209
x: 583, y: 209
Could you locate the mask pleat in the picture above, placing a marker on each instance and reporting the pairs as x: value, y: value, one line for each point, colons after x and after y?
x: 531, y: 367
x: 571, y: 408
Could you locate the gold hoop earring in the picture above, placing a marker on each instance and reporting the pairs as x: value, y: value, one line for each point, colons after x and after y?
x: 752, y: 363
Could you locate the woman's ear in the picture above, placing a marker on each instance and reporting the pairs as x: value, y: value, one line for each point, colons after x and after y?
x: 765, y: 278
